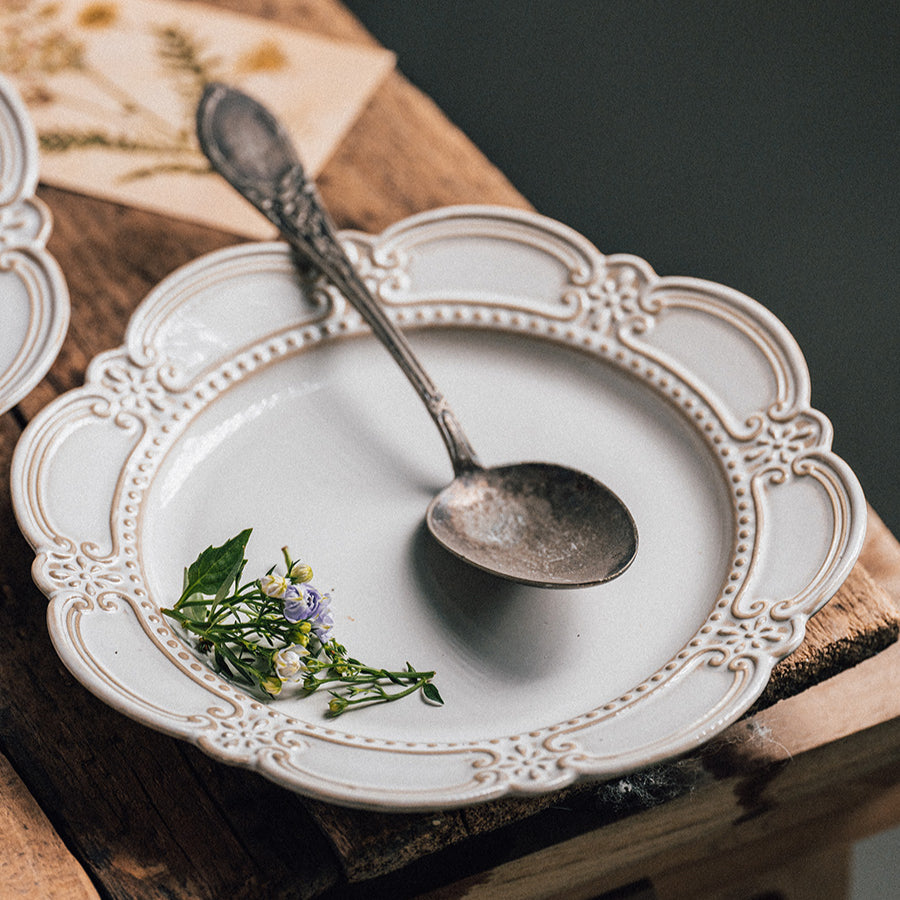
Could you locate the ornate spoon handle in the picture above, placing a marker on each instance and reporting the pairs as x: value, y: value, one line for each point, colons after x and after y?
x: 251, y: 150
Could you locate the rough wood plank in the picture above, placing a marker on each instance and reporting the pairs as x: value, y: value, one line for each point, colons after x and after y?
x: 151, y: 816
x: 860, y: 621
x: 822, y: 874
x: 34, y: 862
x: 402, y: 157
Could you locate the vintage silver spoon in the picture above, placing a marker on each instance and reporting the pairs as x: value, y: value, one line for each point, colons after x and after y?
x: 535, y: 523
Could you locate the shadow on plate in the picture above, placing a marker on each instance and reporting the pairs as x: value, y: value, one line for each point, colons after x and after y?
x: 516, y: 631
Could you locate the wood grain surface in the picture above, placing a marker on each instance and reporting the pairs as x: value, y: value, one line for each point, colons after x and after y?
x: 34, y: 861
x: 144, y: 815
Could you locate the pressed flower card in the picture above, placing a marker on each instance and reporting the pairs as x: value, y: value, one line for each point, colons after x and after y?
x: 112, y: 85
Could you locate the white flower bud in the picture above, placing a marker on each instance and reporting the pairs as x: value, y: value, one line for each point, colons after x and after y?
x: 274, y: 585
x: 288, y: 662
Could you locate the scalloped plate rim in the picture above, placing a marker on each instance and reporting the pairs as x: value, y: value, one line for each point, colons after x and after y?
x: 355, y: 795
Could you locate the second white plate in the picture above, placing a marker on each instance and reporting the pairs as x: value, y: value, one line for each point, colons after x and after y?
x: 34, y: 299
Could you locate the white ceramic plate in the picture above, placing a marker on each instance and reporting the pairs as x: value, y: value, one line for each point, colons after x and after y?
x: 241, y: 400
x: 34, y: 300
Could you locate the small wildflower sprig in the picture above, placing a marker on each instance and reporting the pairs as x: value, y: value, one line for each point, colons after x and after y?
x: 275, y: 631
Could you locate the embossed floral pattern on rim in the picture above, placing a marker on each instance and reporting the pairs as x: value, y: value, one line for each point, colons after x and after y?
x: 608, y: 310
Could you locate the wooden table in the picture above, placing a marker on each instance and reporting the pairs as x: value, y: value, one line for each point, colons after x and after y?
x: 92, y: 804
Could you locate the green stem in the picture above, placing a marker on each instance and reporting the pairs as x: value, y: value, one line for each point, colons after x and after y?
x: 244, y: 630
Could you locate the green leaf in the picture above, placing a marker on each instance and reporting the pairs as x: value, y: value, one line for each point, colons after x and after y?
x: 429, y: 689
x: 223, y: 591
x: 192, y: 612
x: 216, y: 566
x: 221, y: 665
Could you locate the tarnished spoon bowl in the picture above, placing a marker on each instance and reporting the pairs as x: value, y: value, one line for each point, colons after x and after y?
x: 535, y: 523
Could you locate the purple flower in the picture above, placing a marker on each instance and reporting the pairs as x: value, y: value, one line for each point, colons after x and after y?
x: 304, y: 603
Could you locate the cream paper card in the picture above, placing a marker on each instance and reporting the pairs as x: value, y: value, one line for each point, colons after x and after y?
x: 112, y: 85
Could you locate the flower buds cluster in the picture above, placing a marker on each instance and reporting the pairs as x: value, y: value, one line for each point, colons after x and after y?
x: 274, y: 631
